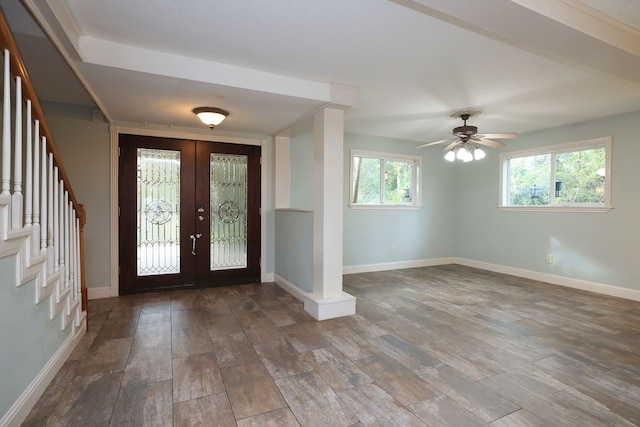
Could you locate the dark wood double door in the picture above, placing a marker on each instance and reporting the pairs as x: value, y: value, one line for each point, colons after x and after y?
x: 189, y: 213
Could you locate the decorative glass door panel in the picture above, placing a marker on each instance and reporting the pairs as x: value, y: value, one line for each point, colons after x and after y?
x: 189, y: 213
x: 158, y: 212
x: 228, y: 178
x: 228, y: 184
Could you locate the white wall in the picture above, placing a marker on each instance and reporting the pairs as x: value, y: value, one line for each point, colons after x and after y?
x: 594, y: 247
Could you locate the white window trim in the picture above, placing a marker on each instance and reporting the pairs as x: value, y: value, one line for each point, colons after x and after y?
x: 417, y: 170
x: 558, y: 149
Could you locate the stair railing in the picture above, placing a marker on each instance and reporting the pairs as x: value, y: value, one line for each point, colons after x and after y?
x: 36, y: 197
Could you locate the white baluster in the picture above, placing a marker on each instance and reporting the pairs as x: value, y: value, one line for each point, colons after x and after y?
x: 36, y: 187
x: 16, y: 197
x: 6, y: 129
x: 43, y: 196
x: 72, y: 250
x: 28, y: 182
x: 56, y: 219
x: 50, y: 220
x: 66, y: 260
x: 61, y: 236
x: 78, y: 282
x: 70, y: 245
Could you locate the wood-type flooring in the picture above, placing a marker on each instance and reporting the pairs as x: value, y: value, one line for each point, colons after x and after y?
x: 434, y: 346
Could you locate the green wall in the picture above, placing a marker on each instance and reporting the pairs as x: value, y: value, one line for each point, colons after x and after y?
x: 29, y: 338
x: 84, y: 148
x: 459, y: 216
x: 595, y: 247
x: 415, y: 234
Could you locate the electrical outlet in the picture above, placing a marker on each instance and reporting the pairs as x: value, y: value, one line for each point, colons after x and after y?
x: 392, y: 249
x: 549, y: 259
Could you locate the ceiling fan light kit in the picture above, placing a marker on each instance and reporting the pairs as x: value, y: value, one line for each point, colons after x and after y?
x: 211, y: 116
x: 464, y: 145
x: 465, y: 152
x: 479, y: 154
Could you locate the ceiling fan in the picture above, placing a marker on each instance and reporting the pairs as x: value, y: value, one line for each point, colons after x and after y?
x: 466, y: 137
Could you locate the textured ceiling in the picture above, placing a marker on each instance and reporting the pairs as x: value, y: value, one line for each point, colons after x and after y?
x: 398, y: 68
x: 627, y: 11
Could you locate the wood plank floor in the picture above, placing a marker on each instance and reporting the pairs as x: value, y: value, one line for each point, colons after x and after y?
x: 434, y: 346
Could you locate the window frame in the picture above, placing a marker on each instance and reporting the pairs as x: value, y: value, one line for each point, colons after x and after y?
x: 385, y: 157
x: 553, y: 150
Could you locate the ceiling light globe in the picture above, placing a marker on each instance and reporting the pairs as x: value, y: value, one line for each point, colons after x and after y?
x: 450, y: 156
x: 479, y: 154
x: 462, y: 153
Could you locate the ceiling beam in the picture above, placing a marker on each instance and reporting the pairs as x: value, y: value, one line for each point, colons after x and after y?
x: 550, y: 28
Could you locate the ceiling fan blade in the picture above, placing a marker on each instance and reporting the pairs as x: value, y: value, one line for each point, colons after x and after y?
x: 498, y: 135
x: 432, y: 143
x: 450, y: 146
x: 489, y: 142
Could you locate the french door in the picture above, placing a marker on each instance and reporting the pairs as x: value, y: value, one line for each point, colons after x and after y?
x: 189, y: 213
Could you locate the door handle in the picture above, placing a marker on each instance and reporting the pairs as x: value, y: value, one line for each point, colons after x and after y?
x: 194, y: 239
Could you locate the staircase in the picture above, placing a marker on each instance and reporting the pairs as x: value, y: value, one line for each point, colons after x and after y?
x: 42, y: 294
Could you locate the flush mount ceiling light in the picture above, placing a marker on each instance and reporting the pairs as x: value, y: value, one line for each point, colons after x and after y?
x: 211, y: 116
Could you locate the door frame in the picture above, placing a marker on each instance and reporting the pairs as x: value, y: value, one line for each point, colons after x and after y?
x: 115, y: 131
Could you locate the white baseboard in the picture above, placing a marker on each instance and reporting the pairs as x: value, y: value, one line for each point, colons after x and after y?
x: 330, y: 308
x: 585, y: 285
x: 320, y: 308
x: 298, y: 293
x: 268, y: 278
x: 98, y: 292
x: 27, y: 400
x: 369, y: 268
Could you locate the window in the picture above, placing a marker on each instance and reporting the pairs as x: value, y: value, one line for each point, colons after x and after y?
x: 574, y: 176
x: 384, y: 180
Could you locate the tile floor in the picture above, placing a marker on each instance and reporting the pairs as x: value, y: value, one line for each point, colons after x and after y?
x: 434, y: 346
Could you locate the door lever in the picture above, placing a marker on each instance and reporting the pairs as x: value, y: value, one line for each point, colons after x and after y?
x: 194, y: 238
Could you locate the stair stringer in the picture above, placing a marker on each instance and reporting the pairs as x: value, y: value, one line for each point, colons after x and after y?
x: 33, y: 267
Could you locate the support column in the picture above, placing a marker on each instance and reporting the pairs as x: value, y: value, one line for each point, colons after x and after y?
x: 328, y: 300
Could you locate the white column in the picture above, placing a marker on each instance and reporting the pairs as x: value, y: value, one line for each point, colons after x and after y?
x: 328, y: 299
x: 328, y: 149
